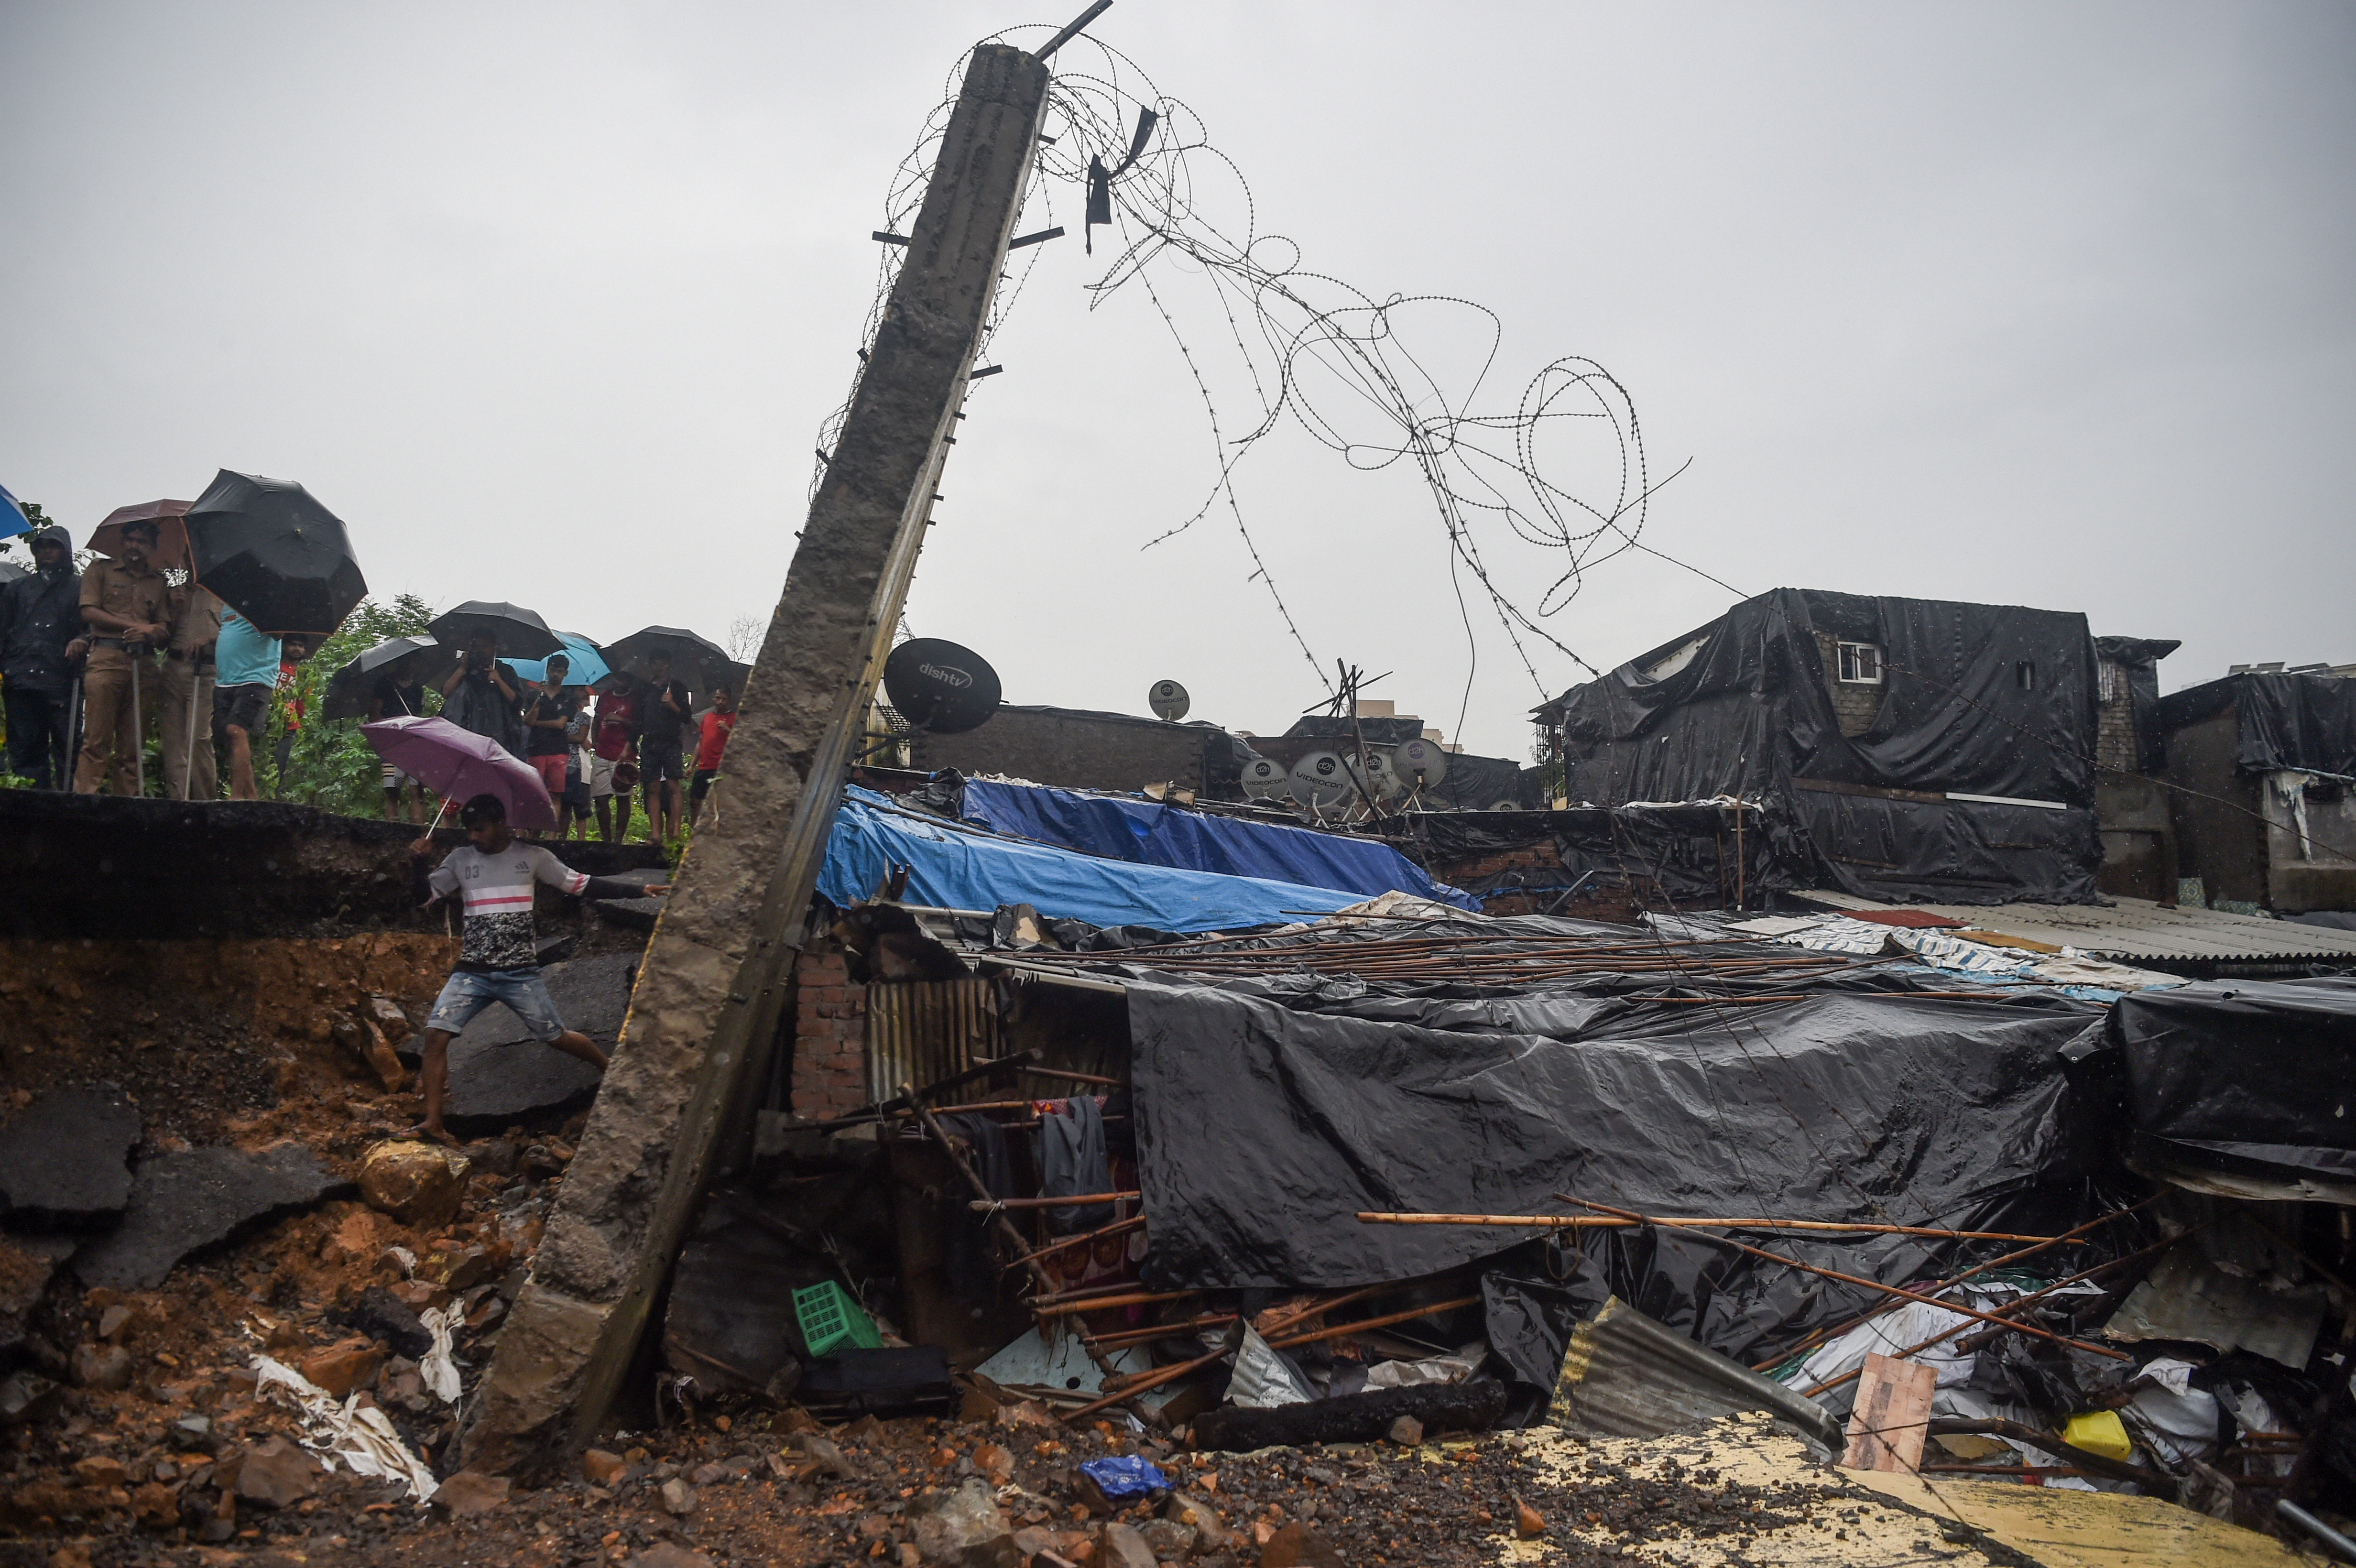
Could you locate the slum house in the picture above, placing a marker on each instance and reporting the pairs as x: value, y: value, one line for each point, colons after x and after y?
x: 1900, y: 748
x: 2263, y: 809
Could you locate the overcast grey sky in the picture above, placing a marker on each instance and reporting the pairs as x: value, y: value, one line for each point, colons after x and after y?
x: 2046, y: 304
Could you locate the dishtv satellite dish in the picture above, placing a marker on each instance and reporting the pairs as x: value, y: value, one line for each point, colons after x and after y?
x: 1380, y: 780
x: 939, y: 686
x: 1418, y: 764
x: 1168, y: 699
x: 1321, y: 780
x: 1265, y: 779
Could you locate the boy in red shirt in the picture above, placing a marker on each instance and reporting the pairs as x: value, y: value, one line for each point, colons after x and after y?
x: 613, y: 754
x: 719, y: 719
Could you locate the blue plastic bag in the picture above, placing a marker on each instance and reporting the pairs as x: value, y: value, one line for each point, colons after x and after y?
x: 1127, y: 1476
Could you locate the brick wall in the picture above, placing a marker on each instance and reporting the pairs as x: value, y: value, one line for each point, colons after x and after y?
x: 830, y: 1038
x: 2114, y: 727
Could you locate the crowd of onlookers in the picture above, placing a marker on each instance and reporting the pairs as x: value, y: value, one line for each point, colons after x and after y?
x: 94, y: 662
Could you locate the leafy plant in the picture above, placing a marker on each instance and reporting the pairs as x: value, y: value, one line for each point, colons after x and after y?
x: 331, y: 764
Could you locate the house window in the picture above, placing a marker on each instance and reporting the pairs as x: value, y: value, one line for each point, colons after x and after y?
x: 2024, y: 675
x: 1860, y: 663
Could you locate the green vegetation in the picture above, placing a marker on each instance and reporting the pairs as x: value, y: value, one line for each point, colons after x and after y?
x: 330, y: 764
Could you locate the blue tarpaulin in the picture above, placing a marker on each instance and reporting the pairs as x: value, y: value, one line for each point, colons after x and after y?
x: 1121, y: 828
x: 955, y: 868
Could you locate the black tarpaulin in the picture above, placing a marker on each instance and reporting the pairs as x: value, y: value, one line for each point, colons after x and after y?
x: 2251, y: 1075
x: 1692, y: 854
x: 1268, y: 1121
x: 2306, y: 722
x: 1975, y: 699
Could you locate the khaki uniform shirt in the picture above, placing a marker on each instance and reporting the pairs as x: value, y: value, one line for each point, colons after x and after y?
x: 198, y: 624
x: 141, y: 596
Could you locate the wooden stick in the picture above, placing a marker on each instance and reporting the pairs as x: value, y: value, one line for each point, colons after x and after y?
x: 984, y: 1206
x: 1115, y: 1229
x: 1367, y: 1325
x: 1576, y: 1221
x: 1168, y: 1374
x: 1128, y: 1337
x: 1074, y: 1077
x: 883, y: 1108
x: 1876, y: 1284
x: 1090, y: 1304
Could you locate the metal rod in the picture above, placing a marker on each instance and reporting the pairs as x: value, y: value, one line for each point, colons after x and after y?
x: 1876, y: 1284
x: 1073, y: 31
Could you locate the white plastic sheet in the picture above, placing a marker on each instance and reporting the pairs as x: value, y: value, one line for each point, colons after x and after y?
x: 360, y: 1436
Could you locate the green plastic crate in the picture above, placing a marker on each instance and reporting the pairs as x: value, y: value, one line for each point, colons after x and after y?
x: 831, y: 1319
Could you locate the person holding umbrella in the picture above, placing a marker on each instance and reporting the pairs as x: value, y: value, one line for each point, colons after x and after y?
x: 185, y: 704
x: 40, y: 641
x: 498, y: 957
x: 548, y: 720
x: 662, y: 723
x: 482, y: 692
x: 129, y: 609
x: 399, y: 694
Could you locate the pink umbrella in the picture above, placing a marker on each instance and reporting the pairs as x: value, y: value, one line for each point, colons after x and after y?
x: 458, y: 764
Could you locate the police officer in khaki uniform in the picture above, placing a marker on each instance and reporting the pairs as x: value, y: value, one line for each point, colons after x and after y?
x: 185, y: 710
x: 129, y: 609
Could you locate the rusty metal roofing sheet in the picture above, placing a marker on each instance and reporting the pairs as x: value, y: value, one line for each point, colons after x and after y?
x: 1624, y: 1375
x: 2134, y: 928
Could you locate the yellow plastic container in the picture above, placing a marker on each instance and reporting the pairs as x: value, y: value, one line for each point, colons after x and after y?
x: 2099, y: 1432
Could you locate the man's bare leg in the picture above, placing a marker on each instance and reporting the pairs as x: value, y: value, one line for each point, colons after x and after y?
x: 573, y: 1042
x: 434, y: 1077
x: 241, y: 764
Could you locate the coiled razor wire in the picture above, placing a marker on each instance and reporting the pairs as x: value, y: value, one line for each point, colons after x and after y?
x: 1292, y: 342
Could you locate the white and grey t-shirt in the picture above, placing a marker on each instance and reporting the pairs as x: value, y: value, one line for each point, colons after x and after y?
x: 498, y: 891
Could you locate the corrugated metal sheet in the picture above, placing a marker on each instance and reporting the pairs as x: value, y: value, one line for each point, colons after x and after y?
x: 921, y: 1031
x: 2134, y: 928
x: 1624, y: 1375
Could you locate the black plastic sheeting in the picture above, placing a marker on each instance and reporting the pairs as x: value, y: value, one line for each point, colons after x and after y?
x: 2306, y: 722
x: 1976, y: 699
x: 1272, y: 1112
x: 2248, y: 1075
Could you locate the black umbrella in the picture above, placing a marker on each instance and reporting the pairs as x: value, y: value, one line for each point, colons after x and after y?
x: 271, y: 553
x: 521, y: 634
x: 699, y: 661
x: 349, y: 689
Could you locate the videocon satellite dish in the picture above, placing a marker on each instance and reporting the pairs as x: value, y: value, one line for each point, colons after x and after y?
x: 1321, y: 780
x: 1379, y: 779
x: 940, y: 687
x: 1418, y: 764
x: 1168, y: 700
x: 1265, y: 779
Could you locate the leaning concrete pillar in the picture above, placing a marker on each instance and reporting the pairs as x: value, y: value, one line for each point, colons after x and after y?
x: 706, y: 1008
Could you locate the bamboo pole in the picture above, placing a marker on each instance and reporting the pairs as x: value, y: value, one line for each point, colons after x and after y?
x: 1368, y: 1325
x: 1066, y: 1244
x: 1577, y: 1221
x: 988, y: 1205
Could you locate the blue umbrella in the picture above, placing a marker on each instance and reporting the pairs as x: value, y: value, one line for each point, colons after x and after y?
x: 13, y: 519
x: 585, y: 665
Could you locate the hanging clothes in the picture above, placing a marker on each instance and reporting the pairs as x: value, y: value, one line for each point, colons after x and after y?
x: 1072, y: 1161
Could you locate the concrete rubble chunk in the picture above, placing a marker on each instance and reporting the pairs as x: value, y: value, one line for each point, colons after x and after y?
x: 418, y: 1184
x: 470, y: 1492
x: 25, y: 1275
x: 276, y: 1474
x: 1199, y: 1516
x: 965, y: 1527
x: 664, y: 1554
x: 63, y: 1159
x: 1296, y: 1545
x: 28, y: 1398
x: 102, y: 1367
x: 678, y: 1497
x: 183, y: 1202
x: 1125, y: 1547
x: 500, y: 1072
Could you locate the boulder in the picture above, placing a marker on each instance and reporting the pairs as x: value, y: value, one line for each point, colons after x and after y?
x: 602, y: 1468
x: 1199, y: 1517
x: 386, y: 1014
x: 419, y: 1184
x: 101, y: 1366
x: 1124, y: 1547
x: 1296, y: 1545
x: 965, y: 1527
x: 63, y: 1159
x: 678, y: 1497
x: 1167, y: 1539
x: 379, y: 1316
x: 28, y: 1398
x: 182, y: 1202
x: 500, y: 1073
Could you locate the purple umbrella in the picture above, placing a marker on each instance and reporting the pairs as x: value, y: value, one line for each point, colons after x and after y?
x: 458, y: 764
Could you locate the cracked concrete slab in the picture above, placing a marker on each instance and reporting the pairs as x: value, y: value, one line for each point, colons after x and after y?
x: 500, y: 1073
x: 64, y: 1159
x: 181, y: 1204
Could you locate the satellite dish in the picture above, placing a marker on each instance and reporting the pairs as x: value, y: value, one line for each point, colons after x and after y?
x: 1266, y: 780
x: 1321, y: 780
x: 940, y: 687
x: 1506, y: 805
x: 1380, y: 780
x: 1418, y: 764
x: 1168, y: 700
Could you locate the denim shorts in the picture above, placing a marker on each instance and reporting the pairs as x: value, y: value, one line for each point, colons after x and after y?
x: 466, y: 992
